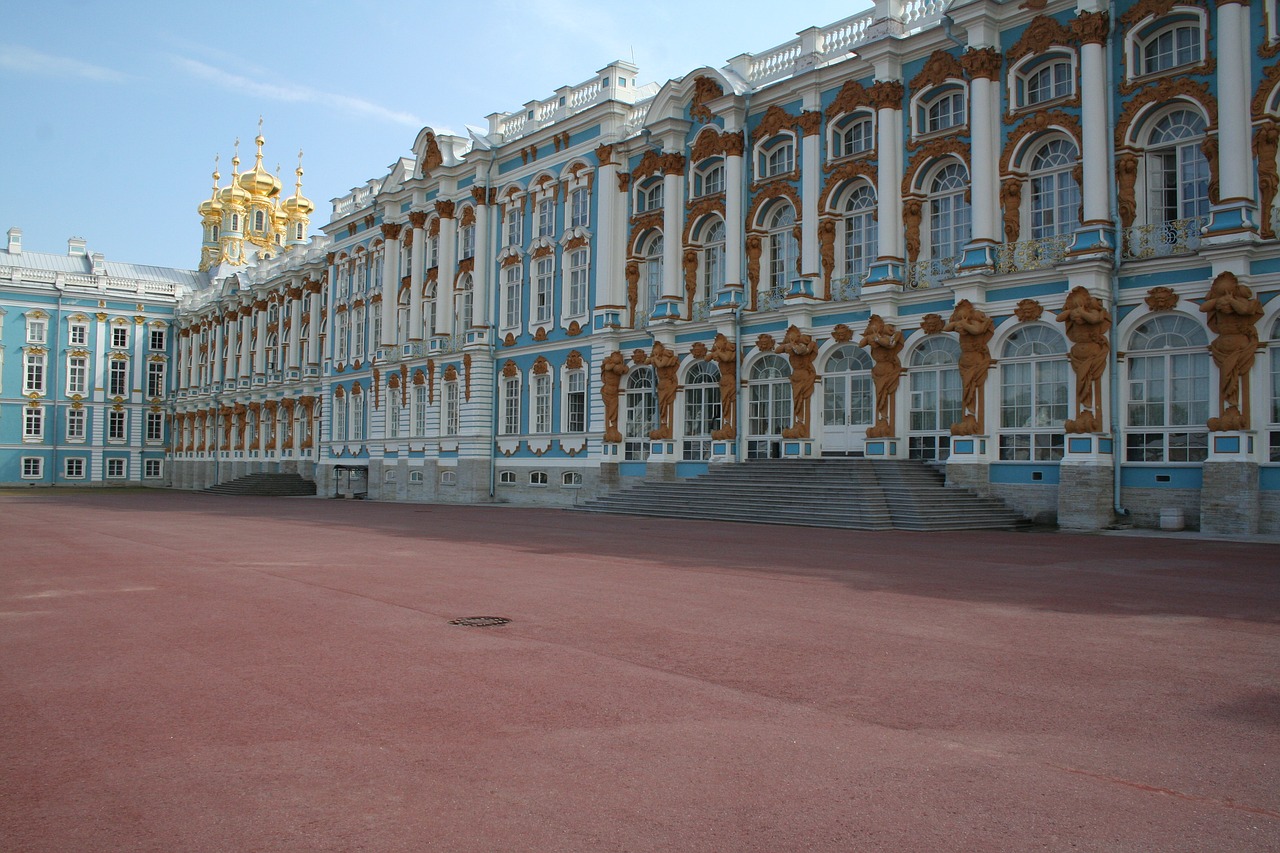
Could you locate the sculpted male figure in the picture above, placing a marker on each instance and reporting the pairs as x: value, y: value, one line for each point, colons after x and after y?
x: 1086, y: 324
x: 724, y: 352
x: 975, y: 330
x: 666, y: 364
x: 800, y: 350
x: 612, y: 369
x: 885, y: 342
x: 1233, y: 314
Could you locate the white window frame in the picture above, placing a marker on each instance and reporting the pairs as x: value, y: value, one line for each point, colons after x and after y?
x: 576, y: 411
x: 1151, y: 29
x: 1034, y: 358
x: 577, y: 298
x: 118, y: 377
x: 579, y: 207
x: 152, y: 469
x: 38, y: 329
x: 154, y: 428
x: 544, y: 286
x: 33, y: 423
x: 1055, y: 61
x: 117, y: 426
x: 117, y: 468
x: 511, y: 394
x: 927, y: 121
x: 841, y: 140
x: 78, y: 334
x: 119, y: 336
x: 77, y: 424
x: 709, y: 177
x: 77, y: 375
x: 155, y: 379
x: 35, y: 372
x: 156, y: 339
x: 540, y: 403
x: 512, y: 292
x: 32, y: 467
x: 80, y: 465
x: 1184, y: 365
x: 777, y: 155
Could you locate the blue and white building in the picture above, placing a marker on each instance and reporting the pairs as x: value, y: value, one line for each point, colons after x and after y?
x: 631, y: 279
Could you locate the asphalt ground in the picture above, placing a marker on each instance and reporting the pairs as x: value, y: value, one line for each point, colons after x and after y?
x: 186, y: 672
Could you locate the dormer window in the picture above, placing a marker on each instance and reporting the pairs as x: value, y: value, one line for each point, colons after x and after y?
x: 709, y: 180
x: 852, y: 135
x: 778, y: 156
x: 649, y: 196
x: 942, y: 112
x: 1171, y: 48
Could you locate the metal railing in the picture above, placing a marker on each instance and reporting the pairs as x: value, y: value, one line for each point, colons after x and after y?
x: 1032, y: 254
x: 1162, y: 239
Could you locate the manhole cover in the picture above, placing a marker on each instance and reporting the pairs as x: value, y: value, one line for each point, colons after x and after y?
x: 480, y: 621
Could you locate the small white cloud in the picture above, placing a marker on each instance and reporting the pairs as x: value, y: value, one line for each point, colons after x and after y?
x: 294, y: 93
x: 25, y: 60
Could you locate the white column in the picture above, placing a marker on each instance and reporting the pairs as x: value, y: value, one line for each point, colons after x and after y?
x: 231, y: 373
x: 735, y: 226
x: 887, y: 97
x: 260, y: 345
x: 418, y: 220
x: 605, y: 256
x: 1235, y: 155
x: 215, y: 353
x: 246, y: 340
x: 297, y: 293
x: 482, y: 271
x: 672, y: 234
x: 446, y: 299
x: 313, y: 328
x: 983, y: 64
x: 390, y: 282
x: 184, y: 359
x: 1093, y: 128
x: 810, y: 189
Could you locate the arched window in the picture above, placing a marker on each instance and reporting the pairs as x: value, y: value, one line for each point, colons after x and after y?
x: 852, y: 134
x: 936, y: 398
x: 649, y: 195
x: 1044, y: 78
x: 769, y: 411
x: 642, y: 413
x: 259, y: 221
x: 1175, y: 45
x: 949, y: 212
x: 782, y: 246
x: 942, y: 111
x: 848, y: 400
x: 701, y: 410
x: 777, y: 156
x: 1055, y: 195
x: 429, y: 322
x: 273, y: 350
x: 860, y: 232
x: 713, y: 237
x: 1033, y: 395
x: 1177, y: 171
x: 1167, y: 374
x: 651, y: 287
x: 708, y: 179
x: 464, y: 306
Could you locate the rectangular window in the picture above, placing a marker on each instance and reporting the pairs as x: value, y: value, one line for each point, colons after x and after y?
x: 357, y: 335
x: 73, y: 468
x: 515, y: 225
x: 340, y: 338
x: 576, y: 402
x: 357, y: 417
x: 115, y: 469
x: 33, y: 379
x: 544, y: 279
x: 32, y: 423
x: 78, y: 334
x: 339, y: 419
x: 120, y: 337
x: 468, y: 241
x: 511, y: 406
x: 511, y: 297
x: 32, y: 467
x: 579, y: 208
x: 157, y: 340
x: 393, y: 413
x: 78, y: 375
x: 76, y: 419
x: 419, y: 410
x: 542, y: 403
x: 451, y: 408
x: 118, y: 378
x: 155, y: 379
x: 37, y: 330
x: 546, y: 217
x: 152, y: 468
x: 578, y: 283
x: 116, y: 425
x: 155, y: 427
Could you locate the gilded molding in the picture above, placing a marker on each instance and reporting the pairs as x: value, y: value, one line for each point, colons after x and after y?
x: 940, y: 67
x: 851, y: 96
x: 775, y: 119
x: 704, y: 89
x: 604, y: 154
x: 982, y: 63
x: 573, y: 361
x: 1159, y: 8
x: 1169, y: 88
x: 843, y: 173
x: 1043, y: 33
x: 933, y: 150
x: 770, y: 191
x: 887, y: 94
x: 1038, y: 123
x: 391, y: 230
x: 445, y: 209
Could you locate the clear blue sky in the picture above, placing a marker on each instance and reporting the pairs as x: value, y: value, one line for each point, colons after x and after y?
x: 113, y: 111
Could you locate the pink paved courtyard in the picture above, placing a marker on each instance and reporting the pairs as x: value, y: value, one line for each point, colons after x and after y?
x: 184, y: 672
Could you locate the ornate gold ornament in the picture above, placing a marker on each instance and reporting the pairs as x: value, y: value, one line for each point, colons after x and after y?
x: 510, y: 369
x: 940, y: 67
x: 982, y: 63
x: 451, y: 373
x: 887, y: 94
x: 1041, y: 34
x: 704, y: 89
x: 1168, y: 89
x: 666, y: 364
x: 573, y: 361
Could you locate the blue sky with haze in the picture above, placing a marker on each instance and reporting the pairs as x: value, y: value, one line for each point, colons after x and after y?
x: 113, y: 111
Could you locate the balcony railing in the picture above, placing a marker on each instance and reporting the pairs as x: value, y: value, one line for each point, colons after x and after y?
x: 1032, y: 254
x: 925, y: 274
x: 847, y: 288
x: 1162, y: 239
x: 773, y: 299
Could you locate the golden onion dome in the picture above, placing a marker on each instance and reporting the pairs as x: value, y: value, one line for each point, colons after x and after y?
x: 232, y: 194
x: 298, y: 204
x: 258, y: 181
x: 211, y: 206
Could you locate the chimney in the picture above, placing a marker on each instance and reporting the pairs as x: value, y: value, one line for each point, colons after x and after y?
x: 76, y: 247
x: 99, y: 264
x: 15, y: 241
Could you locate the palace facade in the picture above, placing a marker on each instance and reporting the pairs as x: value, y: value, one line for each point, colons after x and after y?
x: 1035, y: 242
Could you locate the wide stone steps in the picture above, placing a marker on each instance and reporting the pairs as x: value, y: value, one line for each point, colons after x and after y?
x: 266, y: 484
x: 855, y: 494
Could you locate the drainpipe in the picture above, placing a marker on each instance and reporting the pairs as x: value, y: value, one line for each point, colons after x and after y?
x: 56, y: 377
x: 1113, y: 360
x: 747, y: 287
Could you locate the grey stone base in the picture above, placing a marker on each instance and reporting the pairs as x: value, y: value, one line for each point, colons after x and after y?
x: 1145, y: 505
x: 1084, y: 497
x: 1229, y: 498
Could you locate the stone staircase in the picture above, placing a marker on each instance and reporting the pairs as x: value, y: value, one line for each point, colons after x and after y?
x: 856, y: 494
x: 266, y: 484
